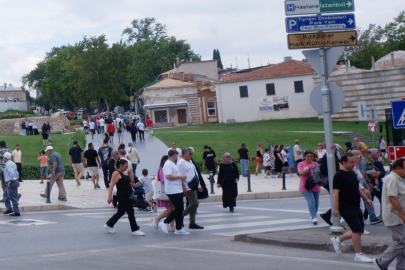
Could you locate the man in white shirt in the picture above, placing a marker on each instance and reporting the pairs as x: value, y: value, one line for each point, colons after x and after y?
x: 298, y: 153
x: 186, y: 167
x: 92, y: 128
x: 174, y: 187
x: 179, y: 156
x: 18, y: 160
x: 141, y: 129
x: 102, y: 124
x: 11, y: 182
x: 134, y: 157
x: 85, y: 126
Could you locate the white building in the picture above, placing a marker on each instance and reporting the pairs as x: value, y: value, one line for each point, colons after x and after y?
x: 278, y: 91
x: 12, y: 98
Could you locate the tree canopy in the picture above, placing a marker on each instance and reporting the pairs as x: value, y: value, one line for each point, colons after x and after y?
x: 95, y: 74
x: 378, y: 41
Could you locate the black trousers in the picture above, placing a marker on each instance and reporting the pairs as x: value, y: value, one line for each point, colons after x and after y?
x: 141, y: 135
x: 18, y: 170
x: 177, y: 214
x: 124, y: 206
x: 133, y: 136
x: 106, y: 176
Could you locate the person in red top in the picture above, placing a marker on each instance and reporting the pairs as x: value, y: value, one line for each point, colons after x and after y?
x: 111, y: 129
x: 149, y: 125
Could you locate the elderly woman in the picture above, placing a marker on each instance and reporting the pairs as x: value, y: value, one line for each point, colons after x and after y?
x: 312, y: 195
x: 228, y: 177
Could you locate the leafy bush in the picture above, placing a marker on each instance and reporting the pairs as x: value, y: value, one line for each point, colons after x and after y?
x: 11, y: 116
x: 75, y: 122
x: 17, y: 111
x: 30, y: 172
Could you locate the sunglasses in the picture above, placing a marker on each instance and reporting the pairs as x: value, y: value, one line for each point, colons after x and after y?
x: 358, y: 156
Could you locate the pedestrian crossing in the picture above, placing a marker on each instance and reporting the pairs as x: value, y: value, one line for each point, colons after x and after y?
x: 217, y: 223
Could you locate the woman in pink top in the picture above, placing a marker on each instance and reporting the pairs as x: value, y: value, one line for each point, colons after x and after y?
x: 44, y: 165
x: 168, y: 204
x: 312, y: 195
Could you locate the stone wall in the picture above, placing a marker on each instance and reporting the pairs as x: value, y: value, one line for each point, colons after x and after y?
x: 15, y: 94
x: 58, y: 123
x: 375, y: 87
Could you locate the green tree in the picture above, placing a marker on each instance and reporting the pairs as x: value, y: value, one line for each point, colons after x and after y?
x: 217, y: 56
x: 144, y: 30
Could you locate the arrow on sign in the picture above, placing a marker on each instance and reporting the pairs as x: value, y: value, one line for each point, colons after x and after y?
x: 350, y: 21
x: 352, y: 38
x: 349, y: 4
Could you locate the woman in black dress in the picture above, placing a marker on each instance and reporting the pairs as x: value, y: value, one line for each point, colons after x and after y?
x: 124, y: 183
x: 44, y: 134
x: 279, y: 161
x: 228, y: 177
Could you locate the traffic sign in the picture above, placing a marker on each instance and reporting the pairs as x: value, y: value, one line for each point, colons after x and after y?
x: 332, y: 56
x: 372, y: 126
x: 337, y: 98
x: 320, y: 23
x: 398, y: 114
x: 322, y: 40
x: 294, y: 7
x: 396, y: 152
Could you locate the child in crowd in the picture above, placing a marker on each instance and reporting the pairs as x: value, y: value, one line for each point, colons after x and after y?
x: 106, y: 137
x: 43, y: 164
x: 267, y: 162
x: 370, y: 169
x: 146, y: 182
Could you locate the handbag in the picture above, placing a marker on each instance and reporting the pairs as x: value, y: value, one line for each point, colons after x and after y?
x: 133, y: 199
x: 160, y: 192
x: 193, y: 184
x: 310, y: 183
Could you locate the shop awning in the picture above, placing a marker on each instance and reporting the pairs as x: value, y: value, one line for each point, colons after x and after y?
x: 160, y: 106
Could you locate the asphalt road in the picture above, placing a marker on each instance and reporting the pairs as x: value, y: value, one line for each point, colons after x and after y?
x: 75, y: 239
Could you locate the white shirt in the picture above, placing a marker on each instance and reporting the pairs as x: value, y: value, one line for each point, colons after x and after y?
x: 321, y: 153
x: 141, y: 126
x: 187, y: 168
x: 172, y: 186
x: 10, y: 171
x: 92, y: 125
x: 84, y: 123
x: 297, y: 156
x: 284, y: 155
x: 102, y: 122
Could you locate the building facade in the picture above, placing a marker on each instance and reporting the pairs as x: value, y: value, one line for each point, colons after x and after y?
x: 12, y: 98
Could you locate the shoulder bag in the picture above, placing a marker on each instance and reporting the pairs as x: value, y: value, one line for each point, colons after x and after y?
x: 160, y: 191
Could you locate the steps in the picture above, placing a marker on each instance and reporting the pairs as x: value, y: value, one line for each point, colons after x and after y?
x: 356, y: 135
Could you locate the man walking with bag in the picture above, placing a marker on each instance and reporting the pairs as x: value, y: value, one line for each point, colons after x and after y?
x: 192, y: 184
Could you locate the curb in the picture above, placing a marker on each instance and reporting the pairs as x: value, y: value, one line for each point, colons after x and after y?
x: 369, y: 247
x: 42, y: 208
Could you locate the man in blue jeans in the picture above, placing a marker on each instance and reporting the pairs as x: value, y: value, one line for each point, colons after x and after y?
x: 11, y: 182
x: 244, y: 158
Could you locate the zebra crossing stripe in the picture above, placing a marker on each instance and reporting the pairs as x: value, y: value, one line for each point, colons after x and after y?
x: 270, y: 229
x: 252, y: 224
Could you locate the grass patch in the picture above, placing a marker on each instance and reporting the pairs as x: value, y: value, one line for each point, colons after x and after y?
x: 228, y: 137
x: 76, y: 122
x: 32, y: 145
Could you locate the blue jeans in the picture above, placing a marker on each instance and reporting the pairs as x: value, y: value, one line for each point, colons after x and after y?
x: 23, y: 132
x: 10, y: 194
x: 312, y: 199
x: 245, y: 166
x: 134, y: 168
x: 370, y: 209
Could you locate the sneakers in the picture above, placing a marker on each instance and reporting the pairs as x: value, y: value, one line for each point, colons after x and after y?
x: 138, y: 233
x: 15, y: 214
x: 375, y: 262
x: 375, y: 221
x: 171, y: 229
x: 155, y: 223
x: 195, y: 226
x: 97, y: 185
x: 315, y: 221
x: 42, y: 195
x: 108, y: 229
x: 336, y: 245
x: 362, y: 258
x: 62, y: 199
x: 147, y: 210
x: 154, y: 207
x: 181, y: 231
x: 366, y: 232
x: 78, y: 182
x: 325, y: 218
x: 164, y: 227
x: 8, y: 212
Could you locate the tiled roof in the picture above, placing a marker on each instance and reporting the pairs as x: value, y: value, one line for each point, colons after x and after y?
x: 284, y: 69
x: 168, y: 83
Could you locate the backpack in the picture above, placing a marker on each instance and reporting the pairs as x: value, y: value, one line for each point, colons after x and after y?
x: 119, y: 130
x: 319, y: 178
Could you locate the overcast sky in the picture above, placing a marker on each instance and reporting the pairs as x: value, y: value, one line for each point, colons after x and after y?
x: 237, y: 28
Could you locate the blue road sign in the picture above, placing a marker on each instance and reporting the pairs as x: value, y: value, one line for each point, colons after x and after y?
x: 320, y: 23
x: 398, y: 114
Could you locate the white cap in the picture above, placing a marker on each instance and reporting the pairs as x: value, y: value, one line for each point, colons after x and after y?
x: 49, y: 148
x: 7, y: 155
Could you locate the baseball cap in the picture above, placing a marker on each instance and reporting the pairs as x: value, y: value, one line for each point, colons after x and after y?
x: 49, y: 148
x: 7, y: 155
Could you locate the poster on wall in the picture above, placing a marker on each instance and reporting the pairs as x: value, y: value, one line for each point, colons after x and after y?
x: 272, y: 104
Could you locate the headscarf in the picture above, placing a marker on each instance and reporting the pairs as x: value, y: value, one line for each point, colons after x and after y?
x: 374, y: 154
x: 349, y: 146
x: 224, y: 160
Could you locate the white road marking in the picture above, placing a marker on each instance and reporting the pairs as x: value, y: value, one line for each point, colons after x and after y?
x: 270, y: 209
x: 251, y: 224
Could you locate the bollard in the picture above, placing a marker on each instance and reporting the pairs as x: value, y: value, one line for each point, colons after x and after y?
x: 212, y: 182
x: 283, y: 179
x: 48, y: 192
x: 248, y: 178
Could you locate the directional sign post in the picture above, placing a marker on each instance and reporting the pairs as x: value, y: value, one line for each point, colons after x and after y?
x: 320, y: 23
x: 293, y: 7
x: 322, y: 40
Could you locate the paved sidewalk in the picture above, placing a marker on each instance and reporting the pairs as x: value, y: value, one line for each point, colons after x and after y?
x: 318, y: 238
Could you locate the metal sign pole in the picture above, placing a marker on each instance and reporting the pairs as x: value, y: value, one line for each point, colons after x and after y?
x: 327, y: 123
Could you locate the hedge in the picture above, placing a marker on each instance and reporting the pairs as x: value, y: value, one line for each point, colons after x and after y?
x: 30, y: 172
